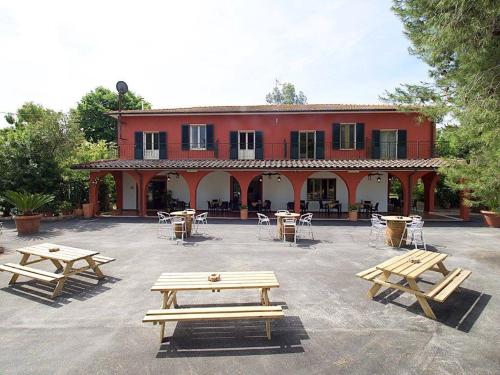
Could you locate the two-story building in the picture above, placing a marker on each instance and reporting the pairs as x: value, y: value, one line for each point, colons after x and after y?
x: 278, y: 153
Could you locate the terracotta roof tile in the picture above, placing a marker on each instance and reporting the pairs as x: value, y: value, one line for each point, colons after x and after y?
x: 263, y: 164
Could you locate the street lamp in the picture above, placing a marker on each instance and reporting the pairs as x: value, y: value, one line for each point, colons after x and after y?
x: 122, y: 89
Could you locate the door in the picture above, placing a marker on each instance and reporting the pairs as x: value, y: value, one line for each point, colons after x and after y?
x: 388, y: 144
x: 307, y: 145
x: 246, y: 146
x: 151, y: 146
x: 157, y: 194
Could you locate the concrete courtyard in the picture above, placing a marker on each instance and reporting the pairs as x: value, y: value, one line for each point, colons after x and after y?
x: 330, y: 326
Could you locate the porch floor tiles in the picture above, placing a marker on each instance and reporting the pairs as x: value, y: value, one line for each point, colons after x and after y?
x: 330, y: 327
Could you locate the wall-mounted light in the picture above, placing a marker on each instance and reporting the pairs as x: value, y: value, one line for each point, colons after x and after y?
x: 379, y: 179
x: 271, y: 174
x: 172, y: 174
x: 279, y: 178
x: 260, y: 179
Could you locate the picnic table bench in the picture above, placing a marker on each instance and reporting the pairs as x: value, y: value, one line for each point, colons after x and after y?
x: 410, y: 267
x: 64, y: 255
x: 169, y: 284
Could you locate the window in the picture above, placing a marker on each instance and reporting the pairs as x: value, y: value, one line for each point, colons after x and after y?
x: 347, y: 136
x: 307, y: 145
x: 198, y: 137
x: 388, y: 144
x: 151, y: 145
x: 321, y: 189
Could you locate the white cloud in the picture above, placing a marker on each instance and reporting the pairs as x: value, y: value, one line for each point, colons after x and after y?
x: 200, y: 52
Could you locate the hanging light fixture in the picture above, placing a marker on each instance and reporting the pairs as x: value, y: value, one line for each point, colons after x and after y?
x: 279, y: 178
x: 379, y: 179
x: 260, y: 179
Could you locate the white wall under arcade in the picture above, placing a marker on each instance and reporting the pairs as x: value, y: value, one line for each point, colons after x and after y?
x: 279, y: 193
x: 371, y: 190
x: 129, y: 192
x: 215, y: 185
x: 179, y: 188
x: 341, y: 193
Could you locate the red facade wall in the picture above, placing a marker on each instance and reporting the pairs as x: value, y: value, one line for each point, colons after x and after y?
x: 276, y: 130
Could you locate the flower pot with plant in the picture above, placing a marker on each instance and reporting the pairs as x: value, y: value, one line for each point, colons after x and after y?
x: 26, y: 204
x: 353, y: 212
x: 243, y: 212
x: 66, y: 208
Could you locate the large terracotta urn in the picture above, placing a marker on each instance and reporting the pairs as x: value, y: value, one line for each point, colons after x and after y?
x: 491, y: 218
x: 27, y: 224
x: 88, y: 210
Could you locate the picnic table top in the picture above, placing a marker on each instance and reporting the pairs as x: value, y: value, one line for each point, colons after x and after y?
x: 228, y: 280
x: 65, y: 253
x: 412, y: 264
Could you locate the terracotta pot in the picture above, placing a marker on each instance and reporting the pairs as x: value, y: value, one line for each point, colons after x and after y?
x: 78, y: 212
x: 88, y: 210
x: 491, y: 219
x: 353, y: 215
x: 244, y: 213
x: 27, y: 224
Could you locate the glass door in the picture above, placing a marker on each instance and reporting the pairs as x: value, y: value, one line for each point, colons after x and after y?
x: 151, y: 146
x: 388, y: 144
x: 246, y: 146
x: 307, y: 142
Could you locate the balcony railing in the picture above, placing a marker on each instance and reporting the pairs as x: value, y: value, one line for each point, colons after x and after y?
x: 280, y: 151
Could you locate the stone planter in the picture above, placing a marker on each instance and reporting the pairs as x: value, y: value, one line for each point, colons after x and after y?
x: 244, y: 213
x: 491, y: 218
x: 353, y: 215
x: 27, y: 224
x: 88, y: 210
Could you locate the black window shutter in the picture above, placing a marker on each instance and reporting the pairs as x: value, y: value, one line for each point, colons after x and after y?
x: 163, y: 145
x: 185, y: 137
x: 210, y: 137
x: 375, y: 144
x: 294, y: 145
x: 138, y: 149
x: 320, y: 145
x: 233, y: 151
x: 360, y: 136
x: 259, y: 146
x: 402, y: 154
x: 336, y: 136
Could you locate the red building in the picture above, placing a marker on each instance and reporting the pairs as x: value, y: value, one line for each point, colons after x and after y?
x: 288, y: 155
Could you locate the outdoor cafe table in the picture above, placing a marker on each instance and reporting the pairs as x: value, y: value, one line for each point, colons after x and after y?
x: 65, y: 255
x: 396, y: 228
x: 280, y: 216
x: 188, y: 216
x: 171, y: 283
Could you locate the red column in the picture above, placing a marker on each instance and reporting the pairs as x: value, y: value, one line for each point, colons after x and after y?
x: 297, y: 180
x: 95, y: 179
x: 193, y: 179
x: 352, y: 181
x: 118, y: 177
x: 430, y: 181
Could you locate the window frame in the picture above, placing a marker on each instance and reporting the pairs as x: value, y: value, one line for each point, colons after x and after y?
x: 318, y: 182
x: 198, y: 144
x: 354, y: 137
x: 314, y: 145
x: 396, y: 143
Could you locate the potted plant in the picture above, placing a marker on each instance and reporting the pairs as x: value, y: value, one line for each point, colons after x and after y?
x: 27, y: 222
x: 88, y: 210
x: 243, y: 212
x: 66, y: 208
x: 353, y: 212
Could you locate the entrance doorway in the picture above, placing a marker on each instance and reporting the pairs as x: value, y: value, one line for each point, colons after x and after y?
x: 255, y: 194
x: 246, y: 146
x: 157, y: 195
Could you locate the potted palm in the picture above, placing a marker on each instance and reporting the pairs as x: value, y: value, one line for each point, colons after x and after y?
x: 243, y: 212
x: 26, y: 204
x: 353, y: 212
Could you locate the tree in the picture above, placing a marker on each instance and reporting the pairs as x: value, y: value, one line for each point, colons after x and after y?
x: 92, y: 108
x: 284, y: 93
x: 460, y: 41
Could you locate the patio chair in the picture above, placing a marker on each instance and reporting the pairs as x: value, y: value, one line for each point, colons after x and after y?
x: 224, y: 206
x: 200, y: 219
x: 179, y: 226
x: 290, y: 206
x: 416, y: 217
x: 374, y: 209
x: 164, y: 224
x: 322, y: 206
x: 263, y: 221
x: 289, y: 228
x: 266, y: 207
x: 415, y: 231
x: 305, y: 220
x: 377, y: 230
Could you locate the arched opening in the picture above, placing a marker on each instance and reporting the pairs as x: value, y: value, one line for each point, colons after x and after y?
x: 254, y: 194
x: 394, y: 195
x: 220, y: 188
x: 166, y: 191
x: 371, y: 192
x: 325, y: 193
x: 418, y: 197
x: 107, y: 195
x: 277, y: 190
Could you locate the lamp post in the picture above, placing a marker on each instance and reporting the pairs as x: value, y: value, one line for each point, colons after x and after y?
x: 122, y: 89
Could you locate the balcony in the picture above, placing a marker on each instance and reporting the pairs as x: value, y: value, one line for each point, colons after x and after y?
x: 281, y: 151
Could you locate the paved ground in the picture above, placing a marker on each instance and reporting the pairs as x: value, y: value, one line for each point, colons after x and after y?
x: 330, y: 326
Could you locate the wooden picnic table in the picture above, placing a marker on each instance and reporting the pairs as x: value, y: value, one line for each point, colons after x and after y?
x: 63, y: 260
x: 280, y: 217
x: 411, y: 266
x: 188, y: 216
x: 171, y: 283
x: 396, y: 228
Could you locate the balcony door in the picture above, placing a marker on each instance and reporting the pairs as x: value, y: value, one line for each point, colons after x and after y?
x: 151, y: 145
x: 246, y: 146
x: 307, y: 145
x: 388, y: 144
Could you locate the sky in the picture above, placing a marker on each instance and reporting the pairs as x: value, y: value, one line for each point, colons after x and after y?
x: 191, y: 53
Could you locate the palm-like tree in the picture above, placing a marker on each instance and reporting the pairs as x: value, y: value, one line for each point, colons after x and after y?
x: 27, y: 203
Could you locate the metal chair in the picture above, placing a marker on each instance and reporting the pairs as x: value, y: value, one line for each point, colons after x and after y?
x: 305, y: 220
x: 378, y: 229
x: 415, y: 229
x: 416, y: 217
x: 164, y: 224
x: 289, y: 228
x: 179, y: 226
x: 263, y: 221
x: 200, y: 219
